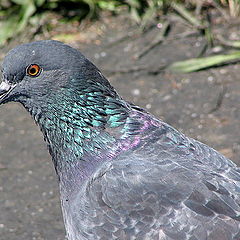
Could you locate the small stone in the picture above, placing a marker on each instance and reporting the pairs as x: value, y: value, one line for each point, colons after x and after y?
x: 159, y: 25
x: 166, y: 98
x: 223, y: 71
x: 136, y: 92
x: 148, y: 106
x: 103, y: 54
x: 96, y: 56
x: 217, y: 49
x: 210, y: 78
x: 194, y: 115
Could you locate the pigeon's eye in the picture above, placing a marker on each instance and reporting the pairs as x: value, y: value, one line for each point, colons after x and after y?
x: 33, y: 70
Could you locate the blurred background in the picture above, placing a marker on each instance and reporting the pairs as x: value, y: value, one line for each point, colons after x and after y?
x: 177, y: 59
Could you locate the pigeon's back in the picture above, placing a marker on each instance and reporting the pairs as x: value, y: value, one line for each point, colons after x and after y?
x: 169, y: 187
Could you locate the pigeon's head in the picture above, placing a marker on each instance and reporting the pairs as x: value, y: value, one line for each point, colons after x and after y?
x: 38, y: 70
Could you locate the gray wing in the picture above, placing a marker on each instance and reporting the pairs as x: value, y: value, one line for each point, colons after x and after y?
x: 139, y: 200
x: 187, y: 192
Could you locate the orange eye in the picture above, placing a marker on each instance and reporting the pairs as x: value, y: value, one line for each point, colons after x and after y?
x: 33, y: 70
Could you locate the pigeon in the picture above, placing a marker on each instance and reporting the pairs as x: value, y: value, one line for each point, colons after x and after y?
x: 123, y: 174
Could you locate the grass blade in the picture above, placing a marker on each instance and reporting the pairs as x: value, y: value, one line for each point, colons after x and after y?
x: 187, y: 15
x: 196, y: 64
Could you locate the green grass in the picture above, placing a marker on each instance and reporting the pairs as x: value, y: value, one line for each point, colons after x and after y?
x: 16, y: 15
x: 197, y: 64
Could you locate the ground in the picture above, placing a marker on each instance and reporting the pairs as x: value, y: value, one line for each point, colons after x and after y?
x: 203, y: 105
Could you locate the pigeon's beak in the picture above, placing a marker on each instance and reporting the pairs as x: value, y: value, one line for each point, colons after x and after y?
x: 5, y: 89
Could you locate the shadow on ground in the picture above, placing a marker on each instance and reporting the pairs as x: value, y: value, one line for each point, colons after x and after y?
x: 203, y: 105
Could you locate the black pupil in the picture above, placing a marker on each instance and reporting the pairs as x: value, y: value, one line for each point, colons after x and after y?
x: 33, y: 70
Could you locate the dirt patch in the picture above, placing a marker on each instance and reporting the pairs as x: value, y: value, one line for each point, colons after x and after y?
x: 203, y: 105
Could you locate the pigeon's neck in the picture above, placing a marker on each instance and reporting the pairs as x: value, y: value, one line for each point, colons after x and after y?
x: 82, y: 130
